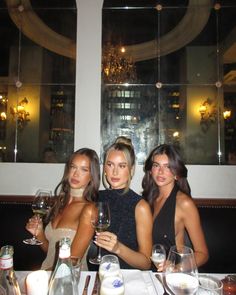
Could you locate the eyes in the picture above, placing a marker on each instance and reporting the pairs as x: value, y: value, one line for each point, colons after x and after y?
x: 81, y: 169
x: 120, y: 165
x: 158, y: 166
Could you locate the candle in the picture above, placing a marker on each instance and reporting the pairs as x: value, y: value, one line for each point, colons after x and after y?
x: 37, y: 283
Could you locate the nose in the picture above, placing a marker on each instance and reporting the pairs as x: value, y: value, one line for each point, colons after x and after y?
x: 115, y: 170
x: 161, y: 169
x: 76, y: 172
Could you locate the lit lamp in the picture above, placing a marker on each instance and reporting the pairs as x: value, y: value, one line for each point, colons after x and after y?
x: 227, y: 114
x: 20, y: 113
x: 207, y: 111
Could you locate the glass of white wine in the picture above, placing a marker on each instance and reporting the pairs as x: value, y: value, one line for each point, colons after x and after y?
x: 101, y: 221
x: 158, y: 256
x: 180, y: 271
x: 40, y: 207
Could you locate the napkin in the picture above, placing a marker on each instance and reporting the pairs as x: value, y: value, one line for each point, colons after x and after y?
x: 134, y: 282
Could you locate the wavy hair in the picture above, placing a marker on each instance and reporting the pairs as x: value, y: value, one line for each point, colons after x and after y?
x: 177, y: 167
x: 62, y: 190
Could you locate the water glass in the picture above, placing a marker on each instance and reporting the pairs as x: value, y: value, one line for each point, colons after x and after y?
x: 109, y: 266
x: 209, y: 285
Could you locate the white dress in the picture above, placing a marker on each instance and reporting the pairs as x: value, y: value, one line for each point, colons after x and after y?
x: 53, y: 236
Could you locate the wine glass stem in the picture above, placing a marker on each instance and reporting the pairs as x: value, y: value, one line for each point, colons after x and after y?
x: 99, y: 257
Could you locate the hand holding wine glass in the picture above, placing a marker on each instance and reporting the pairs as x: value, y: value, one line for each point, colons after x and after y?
x: 101, y: 221
x: 40, y: 207
x: 180, y: 271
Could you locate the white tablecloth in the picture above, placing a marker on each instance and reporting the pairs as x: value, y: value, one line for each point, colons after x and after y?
x: 136, y: 282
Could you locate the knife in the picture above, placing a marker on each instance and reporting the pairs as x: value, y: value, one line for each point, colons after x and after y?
x: 96, y: 286
x: 87, y: 280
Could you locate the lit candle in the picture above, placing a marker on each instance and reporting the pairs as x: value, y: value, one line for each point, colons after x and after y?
x: 37, y: 283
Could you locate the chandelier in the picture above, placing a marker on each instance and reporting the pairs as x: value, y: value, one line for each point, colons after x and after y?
x: 117, y: 68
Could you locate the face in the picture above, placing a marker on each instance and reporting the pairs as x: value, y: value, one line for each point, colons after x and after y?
x: 79, y: 173
x: 117, y: 170
x: 161, y: 172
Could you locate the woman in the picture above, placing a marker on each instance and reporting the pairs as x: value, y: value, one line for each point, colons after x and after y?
x: 129, y: 235
x: 76, y: 191
x: 166, y: 188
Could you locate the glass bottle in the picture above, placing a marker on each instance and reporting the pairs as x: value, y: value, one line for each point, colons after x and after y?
x: 8, y: 281
x: 62, y: 281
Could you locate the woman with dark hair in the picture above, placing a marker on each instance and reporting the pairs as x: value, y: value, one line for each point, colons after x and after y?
x: 166, y: 188
x: 77, y: 190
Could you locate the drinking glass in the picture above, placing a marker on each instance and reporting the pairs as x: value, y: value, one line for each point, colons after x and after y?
x: 158, y: 256
x: 40, y: 207
x: 109, y: 266
x: 180, y: 271
x: 101, y: 221
x: 209, y: 285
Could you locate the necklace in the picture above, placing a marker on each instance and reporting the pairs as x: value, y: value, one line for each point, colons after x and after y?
x: 77, y: 192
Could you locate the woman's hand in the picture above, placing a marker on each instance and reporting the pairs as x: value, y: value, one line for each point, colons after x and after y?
x: 108, y: 241
x: 34, y: 225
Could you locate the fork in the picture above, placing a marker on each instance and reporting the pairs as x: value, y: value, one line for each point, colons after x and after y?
x: 161, y: 281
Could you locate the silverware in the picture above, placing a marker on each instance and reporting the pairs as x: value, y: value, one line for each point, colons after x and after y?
x: 161, y: 281
x: 87, y: 281
x: 96, y: 286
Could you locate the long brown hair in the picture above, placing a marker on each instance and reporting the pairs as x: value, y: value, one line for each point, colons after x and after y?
x: 177, y: 167
x: 62, y: 190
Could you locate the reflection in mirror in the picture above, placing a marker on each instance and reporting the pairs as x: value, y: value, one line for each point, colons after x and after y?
x: 179, y: 85
x: 37, y: 80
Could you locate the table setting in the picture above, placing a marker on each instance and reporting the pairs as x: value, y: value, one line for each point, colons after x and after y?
x: 135, y: 282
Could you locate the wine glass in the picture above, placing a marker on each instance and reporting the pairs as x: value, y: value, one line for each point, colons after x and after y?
x: 40, y: 207
x: 180, y: 271
x: 100, y: 220
x: 158, y: 256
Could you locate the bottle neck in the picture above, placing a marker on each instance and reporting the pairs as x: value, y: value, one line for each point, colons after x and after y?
x: 64, y: 252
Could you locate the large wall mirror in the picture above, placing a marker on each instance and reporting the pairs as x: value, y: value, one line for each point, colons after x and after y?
x: 37, y: 80
x: 169, y: 75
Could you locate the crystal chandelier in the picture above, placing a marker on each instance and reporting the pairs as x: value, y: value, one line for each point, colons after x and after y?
x: 116, y: 67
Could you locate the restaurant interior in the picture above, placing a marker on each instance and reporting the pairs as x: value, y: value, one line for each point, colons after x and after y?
x: 79, y: 73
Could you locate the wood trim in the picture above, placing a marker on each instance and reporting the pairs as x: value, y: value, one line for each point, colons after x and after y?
x: 215, y: 202
x: 16, y: 199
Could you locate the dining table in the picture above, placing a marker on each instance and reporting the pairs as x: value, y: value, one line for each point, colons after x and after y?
x: 136, y: 282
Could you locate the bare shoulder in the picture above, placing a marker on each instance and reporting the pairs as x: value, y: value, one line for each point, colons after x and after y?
x: 185, y: 202
x: 143, y: 206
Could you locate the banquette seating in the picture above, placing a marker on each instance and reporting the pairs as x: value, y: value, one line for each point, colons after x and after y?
x: 218, y: 219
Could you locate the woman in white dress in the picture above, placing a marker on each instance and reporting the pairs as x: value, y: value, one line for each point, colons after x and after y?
x: 77, y: 190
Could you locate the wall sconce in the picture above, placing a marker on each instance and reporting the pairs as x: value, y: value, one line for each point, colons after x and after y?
x: 3, y: 107
x: 207, y: 111
x: 20, y: 114
x: 227, y: 114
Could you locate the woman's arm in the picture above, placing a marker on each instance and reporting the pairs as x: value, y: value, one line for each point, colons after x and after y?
x: 193, y: 226
x: 138, y: 259
x: 35, y: 227
x: 84, y: 233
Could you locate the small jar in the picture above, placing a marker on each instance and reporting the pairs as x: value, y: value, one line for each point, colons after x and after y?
x: 229, y: 285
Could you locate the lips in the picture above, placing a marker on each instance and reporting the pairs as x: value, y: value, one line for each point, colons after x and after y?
x: 115, y: 179
x: 160, y: 178
x: 74, y: 181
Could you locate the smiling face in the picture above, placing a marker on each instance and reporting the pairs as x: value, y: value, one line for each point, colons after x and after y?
x: 79, y: 174
x: 117, y: 170
x: 161, y: 172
